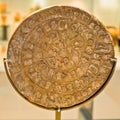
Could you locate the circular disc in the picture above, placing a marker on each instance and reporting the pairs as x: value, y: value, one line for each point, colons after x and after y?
x: 60, y: 57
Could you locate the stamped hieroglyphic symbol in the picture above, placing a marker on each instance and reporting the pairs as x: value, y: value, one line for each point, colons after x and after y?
x: 60, y: 57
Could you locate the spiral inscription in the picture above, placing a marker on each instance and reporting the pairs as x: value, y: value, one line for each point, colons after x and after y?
x: 60, y: 57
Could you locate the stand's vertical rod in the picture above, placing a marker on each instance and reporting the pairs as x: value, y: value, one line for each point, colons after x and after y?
x: 58, y: 114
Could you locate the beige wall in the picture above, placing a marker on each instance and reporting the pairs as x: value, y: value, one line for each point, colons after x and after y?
x: 108, y: 11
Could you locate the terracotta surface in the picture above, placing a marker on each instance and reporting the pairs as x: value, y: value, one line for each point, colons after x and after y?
x: 60, y: 57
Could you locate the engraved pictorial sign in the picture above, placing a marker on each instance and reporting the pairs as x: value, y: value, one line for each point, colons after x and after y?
x: 60, y: 57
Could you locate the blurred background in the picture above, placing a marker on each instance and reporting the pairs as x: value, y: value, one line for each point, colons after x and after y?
x: 104, y: 106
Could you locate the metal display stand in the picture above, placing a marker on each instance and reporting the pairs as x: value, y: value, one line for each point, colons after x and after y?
x: 58, y: 114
